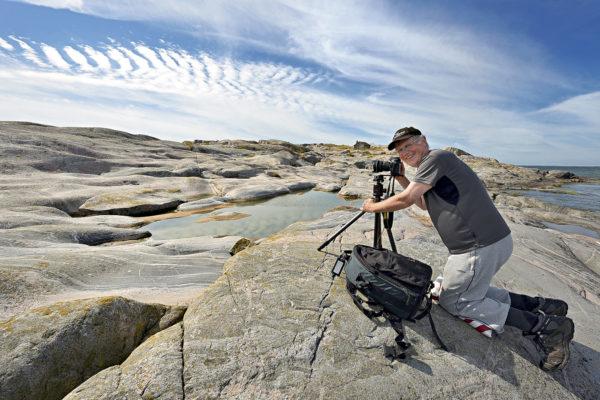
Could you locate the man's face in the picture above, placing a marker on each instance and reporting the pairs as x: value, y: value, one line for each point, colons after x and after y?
x: 412, y: 150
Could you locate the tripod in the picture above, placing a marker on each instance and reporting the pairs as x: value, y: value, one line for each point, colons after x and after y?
x: 398, y: 351
x: 388, y: 219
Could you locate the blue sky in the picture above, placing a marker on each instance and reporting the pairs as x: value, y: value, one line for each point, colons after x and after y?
x: 513, y: 80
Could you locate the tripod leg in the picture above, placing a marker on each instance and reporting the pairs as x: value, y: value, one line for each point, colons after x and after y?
x: 342, y: 229
x: 391, y: 238
x: 377, y: 237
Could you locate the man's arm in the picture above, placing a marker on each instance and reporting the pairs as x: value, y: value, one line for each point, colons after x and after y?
x: 403, y: 180
x: 412, y: 194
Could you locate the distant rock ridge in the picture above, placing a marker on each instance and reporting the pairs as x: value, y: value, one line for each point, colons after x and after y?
x: 457, y: 151
x: 268, y: 322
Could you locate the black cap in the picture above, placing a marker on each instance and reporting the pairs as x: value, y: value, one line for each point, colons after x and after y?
x: 403, y: 133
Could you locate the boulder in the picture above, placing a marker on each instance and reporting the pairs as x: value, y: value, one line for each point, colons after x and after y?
x: 560, y: 174
x: 152, y: 371
x: 144, y: 200
x: 362, y: 164
x: 312, y: 157
x: 457, y: 151
x: 48, y: 351
x: 361, y: 145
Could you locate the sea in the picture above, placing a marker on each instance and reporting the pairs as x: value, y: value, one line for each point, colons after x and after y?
x: 583, y: 196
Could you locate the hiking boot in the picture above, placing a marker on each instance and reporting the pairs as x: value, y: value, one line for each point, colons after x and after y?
x: 551, y: 306
x: 553, y: 338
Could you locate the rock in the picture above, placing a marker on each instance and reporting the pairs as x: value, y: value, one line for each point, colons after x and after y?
x: 240, y: 245
x: 207, y: 203
x: 91, y: 235
x: 256, y: 192
x: 561, y: 174
x: 220, y: 247
x: 226, y: 216
x: 363, y: 164
x: 273, y: 324
x: 457, y: 151
x: 358, y: 186
x: 329, y: 187
x: 152, y: 371
x: 39, y: 272
x: 241, y: 171
x: 189, y: 169
x: 159, y: 197
x: 291, y: 332
x: 312, y: 157
x: 361, y: 145
x: 282, y: 157
x: 257, y: 188
x: 48, y: 351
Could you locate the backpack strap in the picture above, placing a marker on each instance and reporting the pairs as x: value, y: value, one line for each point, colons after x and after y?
x: 360, y: 301
x: 437, y: 337
x: 425, y: 310
x: 398, y: 350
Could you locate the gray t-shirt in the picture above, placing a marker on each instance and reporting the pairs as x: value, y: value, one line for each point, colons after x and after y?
x: 459, y: 206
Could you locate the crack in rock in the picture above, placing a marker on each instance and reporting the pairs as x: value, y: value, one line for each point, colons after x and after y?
x: 326, y: 321
x: 182, y: 362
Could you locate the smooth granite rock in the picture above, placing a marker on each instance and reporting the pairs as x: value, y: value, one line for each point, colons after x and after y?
x: 268, y: 322
x: 290, y: 331
x: 152, y: 371
x: 48, y: 351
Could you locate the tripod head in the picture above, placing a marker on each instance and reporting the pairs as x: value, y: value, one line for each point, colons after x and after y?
x: 378, y: 190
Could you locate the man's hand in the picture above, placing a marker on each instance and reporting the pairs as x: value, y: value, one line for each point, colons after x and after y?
x: 367, y: 205
x: 413, y: 194
x: 402, y: 170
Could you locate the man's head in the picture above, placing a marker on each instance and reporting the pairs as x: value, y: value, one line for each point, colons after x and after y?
x: 410, y: 145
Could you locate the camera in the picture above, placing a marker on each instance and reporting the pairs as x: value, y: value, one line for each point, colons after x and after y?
x: 394, y: 166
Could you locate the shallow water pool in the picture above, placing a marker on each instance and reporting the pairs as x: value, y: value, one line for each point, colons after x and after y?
x: 263, y: 218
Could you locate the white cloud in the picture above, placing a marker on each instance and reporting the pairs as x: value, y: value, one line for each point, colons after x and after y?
x: 74, y: 5
x: 583, y: 109
x: 379, y: 69
x: 29, y: 53
x: 151, y: 56
x: 99, y: 58
x: 5, y: 45
x: 142, y: 64
x: 54, y: 57
x: 79, y: 58
x: 119, y: 58
x: 374, y: 42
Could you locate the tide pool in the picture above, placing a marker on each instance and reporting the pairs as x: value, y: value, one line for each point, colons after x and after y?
x: 259, y: 219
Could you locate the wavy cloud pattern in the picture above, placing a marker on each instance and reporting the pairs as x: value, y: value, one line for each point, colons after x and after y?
x: 360, y: 70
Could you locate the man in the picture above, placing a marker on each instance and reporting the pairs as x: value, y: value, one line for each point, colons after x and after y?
x: 479, y: 242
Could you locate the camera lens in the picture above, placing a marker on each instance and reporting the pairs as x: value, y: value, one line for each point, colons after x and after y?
x: 381, y: 166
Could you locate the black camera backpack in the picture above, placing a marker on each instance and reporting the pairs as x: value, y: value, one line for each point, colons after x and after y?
x: 384, y: 283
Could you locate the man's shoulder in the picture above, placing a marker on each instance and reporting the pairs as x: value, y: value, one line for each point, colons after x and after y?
x: 438, y: 156
x: 439, y: 153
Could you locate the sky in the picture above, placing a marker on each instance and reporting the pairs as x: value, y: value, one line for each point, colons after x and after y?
x: 518, y: 81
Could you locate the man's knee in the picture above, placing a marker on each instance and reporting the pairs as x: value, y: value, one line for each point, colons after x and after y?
x: 449, y: 302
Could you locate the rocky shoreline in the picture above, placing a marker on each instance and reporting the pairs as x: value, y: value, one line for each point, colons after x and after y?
x: 268, y: 322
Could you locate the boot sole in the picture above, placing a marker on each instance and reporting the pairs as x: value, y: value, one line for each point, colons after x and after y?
x: 566, y: 344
